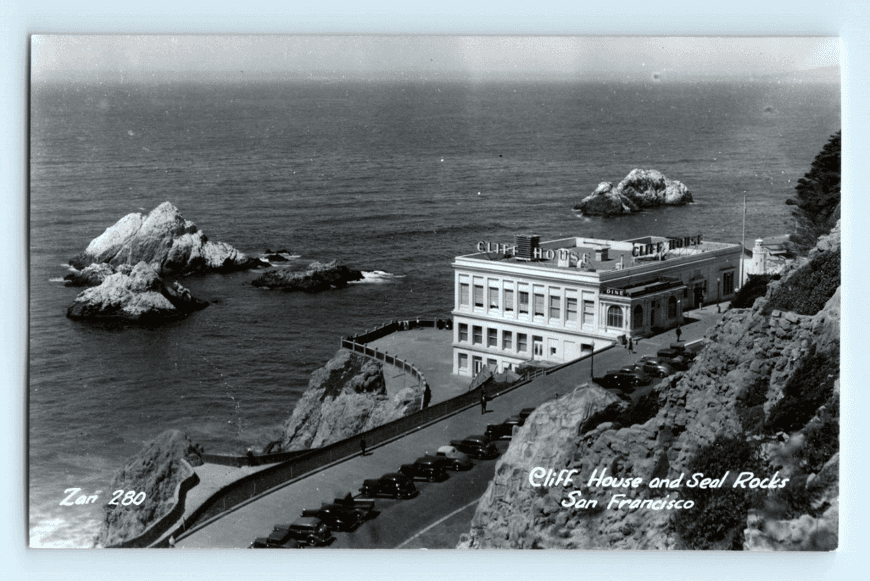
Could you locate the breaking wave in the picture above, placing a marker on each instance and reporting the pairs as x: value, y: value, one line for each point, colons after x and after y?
x: 377, y: 277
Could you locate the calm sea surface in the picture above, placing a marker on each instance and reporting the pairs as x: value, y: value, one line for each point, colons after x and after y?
x: 397, y: 178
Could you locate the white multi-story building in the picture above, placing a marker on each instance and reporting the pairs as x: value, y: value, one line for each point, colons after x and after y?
x: 554, y: 301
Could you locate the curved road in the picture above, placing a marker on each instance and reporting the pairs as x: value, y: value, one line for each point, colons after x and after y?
x: 448, y: 505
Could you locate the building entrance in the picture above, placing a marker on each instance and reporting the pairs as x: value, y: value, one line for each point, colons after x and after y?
x: 537, y: 347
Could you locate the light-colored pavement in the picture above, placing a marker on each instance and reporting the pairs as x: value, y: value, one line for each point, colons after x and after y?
x: 429, y: 350
x: 239, y: 527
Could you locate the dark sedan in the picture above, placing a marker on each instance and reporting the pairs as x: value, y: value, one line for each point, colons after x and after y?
x: 504, y: 429
x: 394, y: 485
x: 476, y: 446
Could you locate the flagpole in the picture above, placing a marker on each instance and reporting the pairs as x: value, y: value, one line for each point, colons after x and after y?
x: 743, y: 244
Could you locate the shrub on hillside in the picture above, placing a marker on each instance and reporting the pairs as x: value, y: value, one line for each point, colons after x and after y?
x: 817, y: 203
x: 808, y: 289
x: 810, y: 386
x: 821, y: 437
x: 755, y: 287
x: 719, y: 516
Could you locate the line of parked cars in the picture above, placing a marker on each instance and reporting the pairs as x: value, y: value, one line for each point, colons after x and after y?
x: 314, y: 528
x: 677, y: 357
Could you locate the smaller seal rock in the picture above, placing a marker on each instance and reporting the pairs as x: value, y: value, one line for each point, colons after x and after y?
x: 139, y: 296
x: 315, y: 277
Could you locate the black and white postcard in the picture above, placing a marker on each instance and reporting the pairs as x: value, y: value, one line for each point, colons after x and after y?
x: 441, y: 292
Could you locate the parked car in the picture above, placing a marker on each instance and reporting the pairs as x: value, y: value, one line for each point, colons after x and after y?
x: 618, y: 380
x: 504, y: 429
x: 309, y: 530
x: 479, y: 447
x: 394, y: 485
x: 365, y: 507
x: 678, y: 364
x: 265, y: 543
x: 452, y: 459
x: 657, y: 368
x: 426, y: 468
x: 637, y: 370
x: 676, y: 356
x: 337, y: 517
x: 525, y: 413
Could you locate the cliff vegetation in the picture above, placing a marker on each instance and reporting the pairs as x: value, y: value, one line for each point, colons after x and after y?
x: 762, y: 397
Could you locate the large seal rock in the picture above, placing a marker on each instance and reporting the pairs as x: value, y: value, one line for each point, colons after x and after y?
x: 139, y: 296
x: 640, y: 189
x: 157, y: 471
x: 345, y: 397
x: 315, y: 277
x: 170, y: 244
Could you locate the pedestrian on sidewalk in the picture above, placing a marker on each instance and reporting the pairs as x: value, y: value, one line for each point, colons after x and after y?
x: 679, y: 333
x: 362, y: 446
x: 630, y: 346
x: 482, y: 401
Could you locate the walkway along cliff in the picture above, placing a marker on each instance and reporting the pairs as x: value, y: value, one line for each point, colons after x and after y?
x: 762, y: 397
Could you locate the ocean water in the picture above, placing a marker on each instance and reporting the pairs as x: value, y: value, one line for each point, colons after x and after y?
x: 389, y: 177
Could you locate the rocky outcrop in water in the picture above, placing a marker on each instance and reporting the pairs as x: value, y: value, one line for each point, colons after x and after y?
x: 140, y: 296
x: 346, y: 396
x: 640, y: 189
x: 763, y: 396
x: 170, y: 244
x: 157, y: 471
x: 315, y: 277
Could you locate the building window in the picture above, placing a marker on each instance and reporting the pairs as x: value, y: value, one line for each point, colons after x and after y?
x: 493, y: 298
x: 672, y: 308
x: 588, y: 312
x: 463, y: 332
x: 508, y: 300
x: 555, y: 307
x: 492, y: 364
x: 571, y: 309
x: 507, y: 340
x: 463, y: 361
x: 463, y: 293
x: 539, y: 305
x: 524, y: 302
x: 478, y: 295
x: 728, y: 283
x: 637, y: 317
x: 614, y: 316
x: 492, y: 337
x: 522, y: 342
x: 477, y: 335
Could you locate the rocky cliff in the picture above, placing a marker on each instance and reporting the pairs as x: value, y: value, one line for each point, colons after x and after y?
x: 640, y: 189
x: 140, y: 296
x: 170, y: 244
x: 315, y: 277
x: 346, y: 396
x: 762, y: 397
x: 156, y: 471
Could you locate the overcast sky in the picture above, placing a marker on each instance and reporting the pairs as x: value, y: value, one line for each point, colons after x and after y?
x: 426, y: 57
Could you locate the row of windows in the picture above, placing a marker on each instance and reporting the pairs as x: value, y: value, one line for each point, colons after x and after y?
x: 507, y: 338
x: 478, y: 363
x: 540, y: 307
